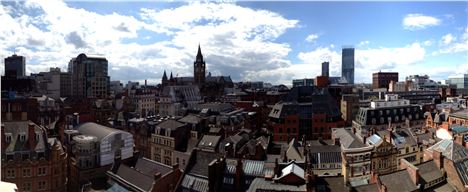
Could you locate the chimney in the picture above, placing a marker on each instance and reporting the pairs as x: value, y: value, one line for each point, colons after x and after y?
x: 383, y: 188
x: 3, y: 138
x: 458, y: 139
x: 31, y: 134
x: 157, y: 175
x: 276, y: 168
x: 239, y: 181
x: 116, y: 164
x: 175, y: 166
x: 438, y: 159
x: 412, y: 170
x: 212, y: 169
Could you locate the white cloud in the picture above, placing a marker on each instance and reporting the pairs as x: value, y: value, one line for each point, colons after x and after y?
x: 451, y: 44
x: 419, y: 21
x: 234, y: 39
x: 447, y: 39
x: 311, y: 37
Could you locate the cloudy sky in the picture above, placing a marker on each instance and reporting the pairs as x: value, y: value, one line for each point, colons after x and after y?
x: 260, y: 41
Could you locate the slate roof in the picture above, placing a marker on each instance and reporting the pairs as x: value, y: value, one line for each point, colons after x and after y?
x: 192, y: 119
x: 170, y: 124
x: 330, y: 184
x: 138, y: 179
x: 398, y: 181
x: 260, y: 184
x: 209, y: 142
x: 460, y: 114
x: 294, y: 151
x: 348, y: 139
x: 141, y: 176
x: 367, y: 188
x: 15, y: 128
x: 429, y: 171
x: 149, y: 167
x: 202, y: 159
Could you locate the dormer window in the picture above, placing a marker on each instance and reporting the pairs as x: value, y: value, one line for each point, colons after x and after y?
x: 38, y: 136
x: 22, y: 137
x: 8, y: 137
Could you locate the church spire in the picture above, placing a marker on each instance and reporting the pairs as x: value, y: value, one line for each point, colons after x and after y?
x: 164, y: 77
x: 199, y: 51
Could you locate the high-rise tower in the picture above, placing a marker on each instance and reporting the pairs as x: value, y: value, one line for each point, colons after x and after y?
x: 199, y: 68
x: 347, y: 64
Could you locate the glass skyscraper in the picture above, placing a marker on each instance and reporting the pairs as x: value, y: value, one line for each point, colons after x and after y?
x: 347, y: 64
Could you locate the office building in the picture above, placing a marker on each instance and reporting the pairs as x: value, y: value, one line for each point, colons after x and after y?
x: 15, y: 66
x: 303, y: 82
x: 383, y: 79
x: 347, y: 64
x: 326, y: 69
x: 89, y: 76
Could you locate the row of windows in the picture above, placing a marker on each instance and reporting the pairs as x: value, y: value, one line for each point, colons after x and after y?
x: 387, y: 111
x: 41, y: 171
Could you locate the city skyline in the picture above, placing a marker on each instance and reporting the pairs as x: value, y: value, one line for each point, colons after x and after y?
x: 284, y: 41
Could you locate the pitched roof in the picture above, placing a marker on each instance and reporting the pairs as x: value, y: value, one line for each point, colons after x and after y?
x: 170, y: 124
x: 293, y: 151
x: 429, y: 171
x: 201, y: 161
x: 260, y: 184
x: 17, y: 128
x: 292, y: 168
x: 192, y: 119
x: 398, y: 181
x: 209, y: 142
x: 348, y: 139
x: 451, y: 150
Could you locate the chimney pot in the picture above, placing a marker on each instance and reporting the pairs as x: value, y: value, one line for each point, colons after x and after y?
x: 157, y: 176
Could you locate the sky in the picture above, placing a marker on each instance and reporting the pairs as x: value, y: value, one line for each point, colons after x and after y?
x: 248, y: 40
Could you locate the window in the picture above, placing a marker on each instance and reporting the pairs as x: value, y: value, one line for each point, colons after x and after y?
x: 11, y: 173
x: 42, y: 185
x: 41, y: 171
x: 22, y: 137
x: 8, y: 137
x: 26, y: 172
x: 27, y: 186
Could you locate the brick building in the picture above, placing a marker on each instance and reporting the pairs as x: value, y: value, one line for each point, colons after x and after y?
x: 383, y: 79
x: 30, y: 159
x: 306, y: 110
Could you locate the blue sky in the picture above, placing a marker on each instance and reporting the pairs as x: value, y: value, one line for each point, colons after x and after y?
x: 268, y: 41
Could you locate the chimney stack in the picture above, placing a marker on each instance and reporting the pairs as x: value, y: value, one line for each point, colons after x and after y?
x: 175, y: 166
x: 438, y: 159
x: 3, y: 138
x: 239, y: 177
x: 157, y: 175
x: 412, y: 170
x: 116, y: 164
x: 31, y: 134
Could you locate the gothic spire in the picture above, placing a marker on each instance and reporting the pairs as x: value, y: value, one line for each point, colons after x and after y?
x: 164, y: 77
x: 199, y: 51
x: 171, y: 78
